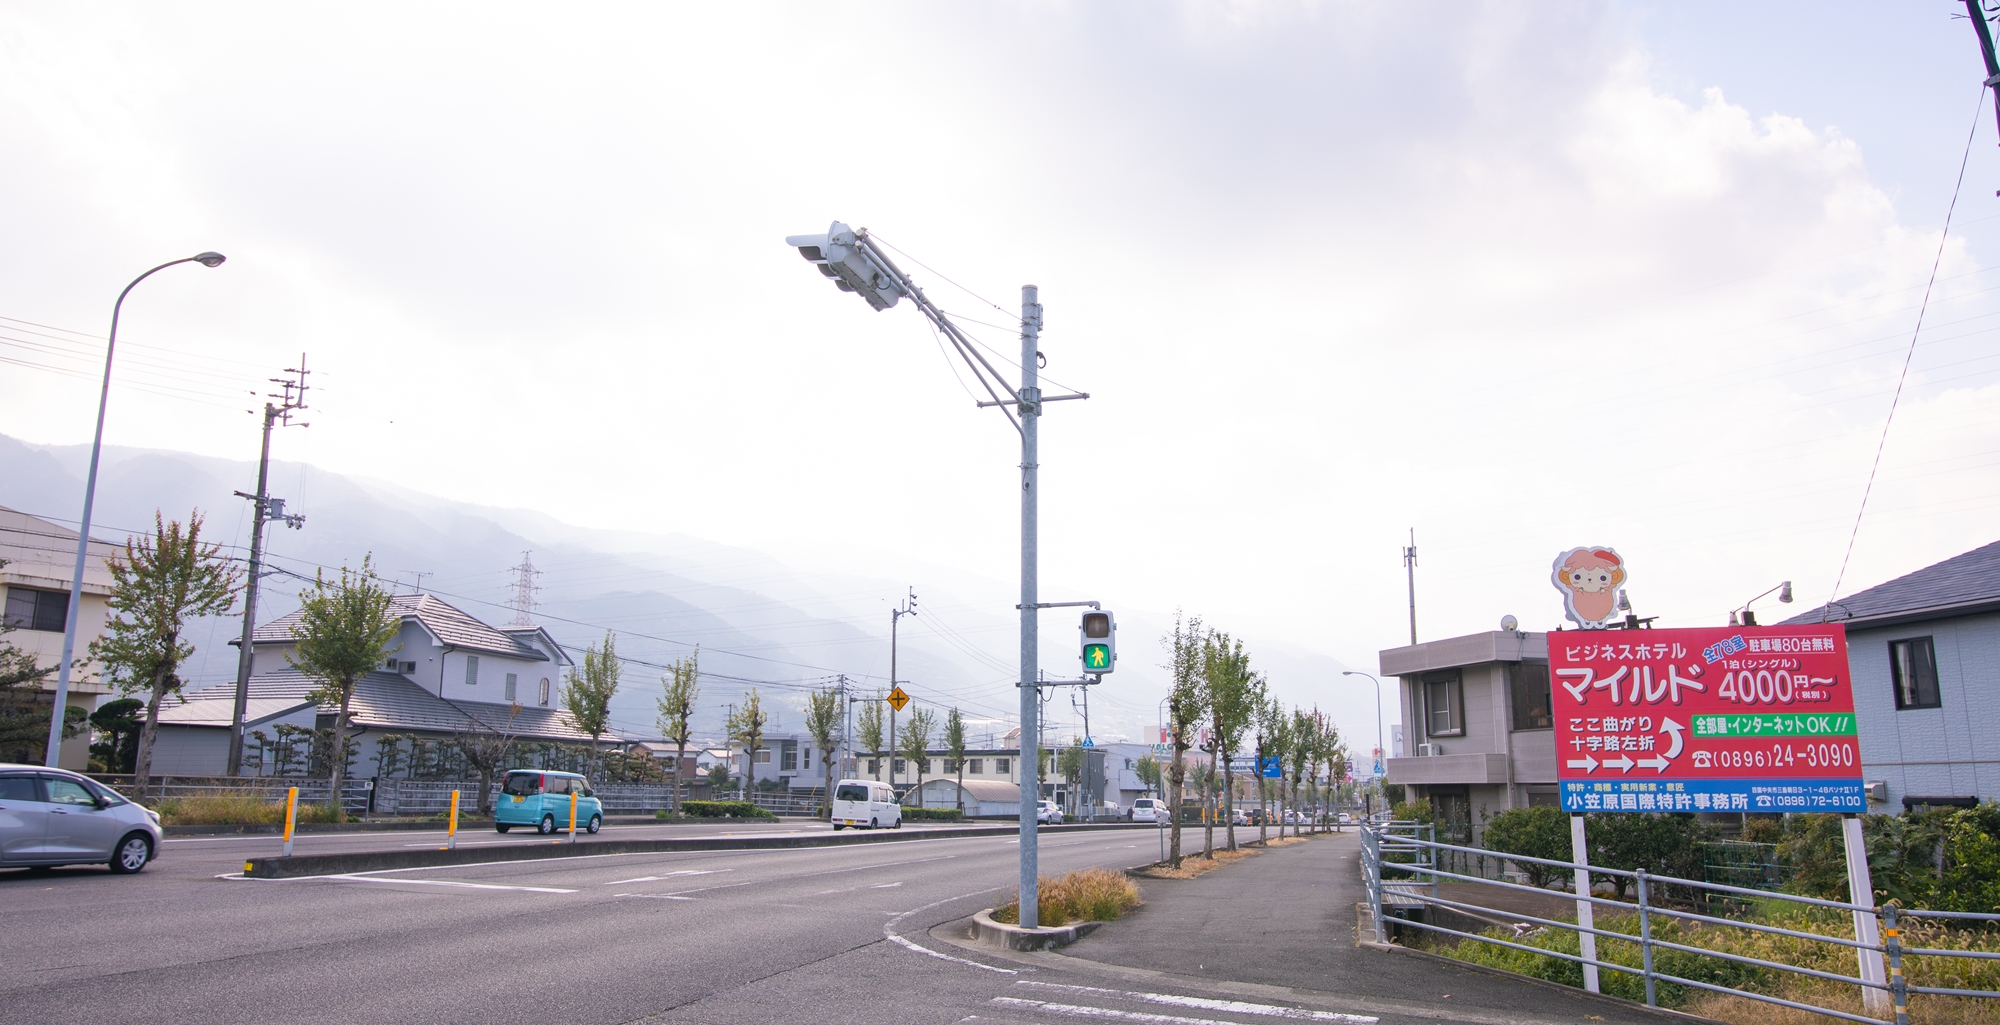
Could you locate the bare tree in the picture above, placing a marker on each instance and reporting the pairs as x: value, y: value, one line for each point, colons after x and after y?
x: 486, y: 747
x: 343, y: 632
x: 681, y: 688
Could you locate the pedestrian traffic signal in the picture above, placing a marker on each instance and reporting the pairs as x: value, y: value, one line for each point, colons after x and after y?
x: 1100, y: 642
x: 852, y: 263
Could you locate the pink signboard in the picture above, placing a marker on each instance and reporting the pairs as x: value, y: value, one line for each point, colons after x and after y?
x: 1757, y: 719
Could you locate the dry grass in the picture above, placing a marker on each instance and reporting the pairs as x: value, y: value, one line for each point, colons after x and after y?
x: 237, y: 808
x: 1086, y: 895
x: 1193, y: 865
x: 1285, y: 841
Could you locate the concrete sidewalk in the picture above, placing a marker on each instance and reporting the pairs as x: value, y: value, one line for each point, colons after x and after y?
x: 1286, y: 917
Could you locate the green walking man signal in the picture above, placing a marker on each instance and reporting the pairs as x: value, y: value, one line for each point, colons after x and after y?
x: 1100, y: 642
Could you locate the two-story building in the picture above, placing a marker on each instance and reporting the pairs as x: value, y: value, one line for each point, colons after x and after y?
x: 1923, y: 651
x: 37, y: 560
x: 446, y: 674
x: 1479, y: 733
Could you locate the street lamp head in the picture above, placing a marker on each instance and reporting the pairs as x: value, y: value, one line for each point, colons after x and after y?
x: 210, y: 259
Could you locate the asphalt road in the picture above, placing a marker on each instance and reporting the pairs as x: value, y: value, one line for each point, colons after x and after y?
x: 811, y: 935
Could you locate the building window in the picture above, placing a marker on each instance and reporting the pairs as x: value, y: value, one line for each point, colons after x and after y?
x: 789, y: 761
x: 1444, y: 700
x: 874, y: 766
x: 1913, y: 665
x: 471, y: 670
x: 1530, y: 683
x: 37, y: 610
x: 899, y: 766
x: 512, y: 679
x: 545, y: 691
x: 763, y: 756
x: 950, y: 765
x: 1003, y: 766
x: 972, y: 766
x: 924, y: 766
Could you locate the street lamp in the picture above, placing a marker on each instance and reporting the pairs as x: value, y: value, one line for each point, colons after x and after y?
x: 856, y: 263
x: 1378, y: 709
x: 1744, y: 617
x: 56, y: 715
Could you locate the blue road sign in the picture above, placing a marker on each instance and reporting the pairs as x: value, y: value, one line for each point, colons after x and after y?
x: 1087, y: 742
x: 1269, y: 769
x: 1378, y: 768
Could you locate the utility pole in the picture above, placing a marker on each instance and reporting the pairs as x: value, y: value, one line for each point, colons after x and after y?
x: 1029, y: 406
x: 263, y: 509
x: 908, y: 608
x: 1410, y: 567
x: 1978, y: 16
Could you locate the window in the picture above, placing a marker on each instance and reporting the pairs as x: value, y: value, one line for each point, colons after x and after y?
x: 19, y: 788
x: 521, y: 784
x: 471, y: 670
x: 545, y: 692
x: 1003, y: 766
x: 805, y: 758
x: 874, y: 766
x: 508, y: 694
x: 1443, y: 698
x: 1530, y: 683
x: 788, y: 761
x: 558, y: 785
x: 899, y: 766
x: 1913, y: 667
x: 973, y: 766
x: 69, y: 791
x: 37, y: 610
x: 851, y: 792
x: 924, y: 766
x: 950, y: 765
x: 763, y: 756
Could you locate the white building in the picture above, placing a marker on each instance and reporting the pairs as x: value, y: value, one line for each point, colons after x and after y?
x: 40, y: 558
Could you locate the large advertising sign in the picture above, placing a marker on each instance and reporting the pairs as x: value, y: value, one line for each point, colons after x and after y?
x: 1757, y: 719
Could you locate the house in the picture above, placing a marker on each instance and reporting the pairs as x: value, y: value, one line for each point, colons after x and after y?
x: 446, y: 675
x: 39, y: 560
x: 1478, y: 713
x: 1923, y: 652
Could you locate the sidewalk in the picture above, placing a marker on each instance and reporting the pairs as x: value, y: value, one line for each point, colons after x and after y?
x: 1286, y: 917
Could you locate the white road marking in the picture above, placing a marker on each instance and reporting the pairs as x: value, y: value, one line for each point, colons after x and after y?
x: 447, y: 882
x: 849, y: 889
x: 682, y: 872
x: 889, y: 933
x: 885, y: 886
x: 656, y: 896
x: 1207, y: 1004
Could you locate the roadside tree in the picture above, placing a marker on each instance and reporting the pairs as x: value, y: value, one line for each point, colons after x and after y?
x: 486, y: 745
x: 868, y: 728
x: 823, y: 715
x: 118, y: 723
x: 160, y: 583
x: 1235, y: 693
x: 1186, y: 702
x: 1148, y: 770
x: 1274, y: 740
x: 746, y: 726
x: 916, y: 741
x: 954, y: 743
x: 587, y: 692
x: 680, y: 689
x: 343, y: 631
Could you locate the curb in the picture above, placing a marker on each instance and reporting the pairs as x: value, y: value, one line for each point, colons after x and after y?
x: 378, y: 861
x: 1015, y: 937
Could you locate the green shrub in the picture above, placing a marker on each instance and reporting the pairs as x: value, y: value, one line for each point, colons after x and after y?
x: 1419, y: 810
x: 1947, y: 860
x: 724, y: 810
x: 1537, y: 832
x: 1665, y: 844
x: 932, y: 814
x: 1086, y: 895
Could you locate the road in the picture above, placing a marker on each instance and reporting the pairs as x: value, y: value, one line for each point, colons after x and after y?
x: 808, y: 935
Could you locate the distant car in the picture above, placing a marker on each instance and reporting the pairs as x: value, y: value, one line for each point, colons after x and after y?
x: 1346, y: 819
x: 539, y: 799
x: 865, y: 804
x: 1048, y: 812
x: 54, y: 817
x: 1146, y: 809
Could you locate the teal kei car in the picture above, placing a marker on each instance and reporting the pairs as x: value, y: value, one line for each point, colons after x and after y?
x: 539, y: 799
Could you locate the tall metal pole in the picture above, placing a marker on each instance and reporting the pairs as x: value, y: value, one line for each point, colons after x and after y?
x: 1410, y: 567
x: 243, y: 657
x: 1972, y: 10
x: 56, y: 713
x: 1031, y: 790
x: 1381, y: 751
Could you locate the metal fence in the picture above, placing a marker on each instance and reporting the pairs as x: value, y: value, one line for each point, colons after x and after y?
x: 1402, y: 867
x: 356, y: 795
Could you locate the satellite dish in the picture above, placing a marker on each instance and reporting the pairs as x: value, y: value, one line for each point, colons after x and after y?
x: 1509, y: 624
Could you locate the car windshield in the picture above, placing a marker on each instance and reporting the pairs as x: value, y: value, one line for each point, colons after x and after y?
x: 520, y: 784
x: 851, y: 792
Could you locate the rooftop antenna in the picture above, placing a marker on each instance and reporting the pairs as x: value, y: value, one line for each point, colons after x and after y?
x: 1410, y: 567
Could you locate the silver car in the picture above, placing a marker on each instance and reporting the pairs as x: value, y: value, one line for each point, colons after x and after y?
x: 56, y: 817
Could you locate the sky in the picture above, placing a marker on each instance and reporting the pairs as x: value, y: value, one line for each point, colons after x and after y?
x: 1534, y: 277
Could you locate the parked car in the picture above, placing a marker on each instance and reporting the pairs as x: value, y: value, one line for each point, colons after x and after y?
x: 54, y: 817
x: 540, y: 799
x: 1048, y: 812
x: 1147, y: 809
x: 865, y: 804
x: 1346, y: 819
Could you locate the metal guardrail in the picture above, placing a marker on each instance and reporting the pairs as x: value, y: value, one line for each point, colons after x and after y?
x: 355, y: 794
x: 1386, y: 845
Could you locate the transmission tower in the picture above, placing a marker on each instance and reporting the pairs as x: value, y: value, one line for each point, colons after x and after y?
x: 524, y: 591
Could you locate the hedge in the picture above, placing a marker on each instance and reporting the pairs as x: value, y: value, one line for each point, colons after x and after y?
x: 724, y: 810
x: 932, y: 814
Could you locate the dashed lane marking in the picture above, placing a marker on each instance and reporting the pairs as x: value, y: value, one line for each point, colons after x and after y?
x: 1210, y: 1004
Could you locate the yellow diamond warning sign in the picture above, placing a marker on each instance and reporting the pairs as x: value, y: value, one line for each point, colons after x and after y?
x: 897, y: 698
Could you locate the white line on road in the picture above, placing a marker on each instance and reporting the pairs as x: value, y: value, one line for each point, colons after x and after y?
x: 885, y: 886
x: 889, y: 933
x: 447, y: 882
x: 682, y: 872
x: 1207, y: 1004
x: 656, y: 896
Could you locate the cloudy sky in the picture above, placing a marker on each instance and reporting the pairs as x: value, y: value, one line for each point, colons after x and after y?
x: 1518, y: 276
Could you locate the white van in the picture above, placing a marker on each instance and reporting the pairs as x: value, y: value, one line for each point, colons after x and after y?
x: 865, y: 804
x: 1147, y: 809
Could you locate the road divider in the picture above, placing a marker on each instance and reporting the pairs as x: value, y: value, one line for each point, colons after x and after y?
x: 375, y: 861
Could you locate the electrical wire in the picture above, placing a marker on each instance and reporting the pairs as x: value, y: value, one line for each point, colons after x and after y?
x: 1944, y: 236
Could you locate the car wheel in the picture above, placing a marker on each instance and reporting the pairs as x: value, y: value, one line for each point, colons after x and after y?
x: 838, y: 826
x: 899, y: 823
x: 501, y: 827
x: 131, y: 854
x: 596, y: 823
x: 874, y: 824
x: 547, y: 825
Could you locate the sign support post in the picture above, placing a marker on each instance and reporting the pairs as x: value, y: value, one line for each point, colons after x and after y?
x: 1861, y: 891
x: 1585, y: 916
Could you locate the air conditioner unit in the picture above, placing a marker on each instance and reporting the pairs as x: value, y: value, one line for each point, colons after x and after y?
x: 1429, y: 750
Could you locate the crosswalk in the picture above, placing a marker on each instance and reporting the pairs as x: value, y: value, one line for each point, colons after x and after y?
x: 1043, y: 1002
